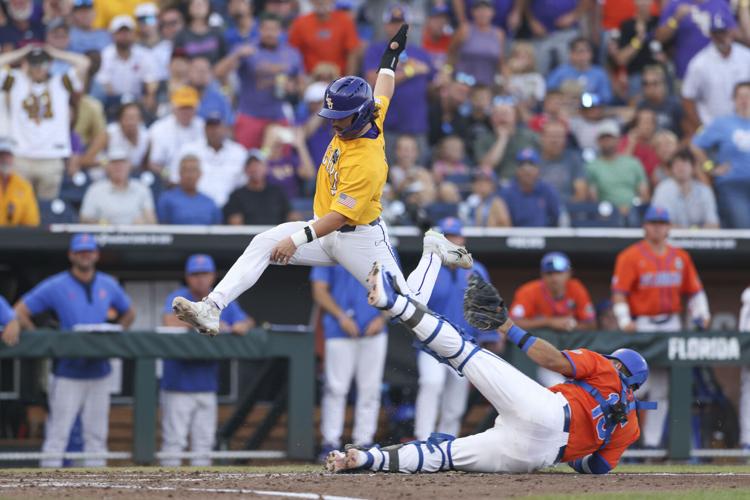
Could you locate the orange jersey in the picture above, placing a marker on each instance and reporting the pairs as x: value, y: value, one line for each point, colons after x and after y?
x: 534, y: 300
x: 654, y: 283
x: 331, y: 40
x: 586, y: 420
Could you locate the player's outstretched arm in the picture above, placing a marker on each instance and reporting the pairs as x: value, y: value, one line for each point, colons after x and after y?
x: 385, y: 84
x: 539, y: 350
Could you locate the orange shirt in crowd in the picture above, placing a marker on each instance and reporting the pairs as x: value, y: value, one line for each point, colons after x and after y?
x: 614, y: 12
x: 18, y: 206
x: 654, y: 284
x: 324, y: 41
x: 436, y: 46
x: 586, y: 421
x: 534, y: 300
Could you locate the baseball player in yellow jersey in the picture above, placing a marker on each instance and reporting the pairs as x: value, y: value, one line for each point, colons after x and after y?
x: 347, y: 229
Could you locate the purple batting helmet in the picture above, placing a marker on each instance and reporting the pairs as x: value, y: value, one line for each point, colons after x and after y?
x: 347, y: 96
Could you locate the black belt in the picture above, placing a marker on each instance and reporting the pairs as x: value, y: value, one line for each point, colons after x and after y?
x: 566, y: 428
x: 346, y: 228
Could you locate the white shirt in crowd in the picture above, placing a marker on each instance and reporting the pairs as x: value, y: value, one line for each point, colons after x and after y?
x: 168, y: 138
x: 710, y: 80
x: 116, y: 141
x: 106, y: 204
x: 127, y: 76
x: 39, y: 113
x: 222, y: 171
x: 161, y: 53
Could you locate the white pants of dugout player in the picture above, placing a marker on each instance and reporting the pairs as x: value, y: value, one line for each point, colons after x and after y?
x: 363, y: 360
x: 657, y: 385
x: 441, y: 400
x: 355, y: 250
x: 67, y: 397
x: 529, y: 430
x: 188, y: 415
x: 744, y: 326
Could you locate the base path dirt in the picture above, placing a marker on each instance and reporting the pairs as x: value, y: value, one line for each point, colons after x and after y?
x: 455, y: 486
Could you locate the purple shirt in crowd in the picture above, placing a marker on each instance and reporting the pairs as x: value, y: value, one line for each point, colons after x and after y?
x: 407, y: 113
x: 258, y: 80
x: 282, y: 172
x: 318, y: 142
x: 502, y: 10
x: 693, y: 30
x: 547, y: 11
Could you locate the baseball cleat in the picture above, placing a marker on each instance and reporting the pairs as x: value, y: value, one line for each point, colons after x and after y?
x: 450, y: 253
x: 380, y: 291
x: 342, y: 461
x: 203, y: 315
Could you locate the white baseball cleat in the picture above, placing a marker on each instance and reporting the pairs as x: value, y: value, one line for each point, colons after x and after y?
x: 341, y: 461
x: 203, y: 315
x: 380, y: 291
x: 450, y: 253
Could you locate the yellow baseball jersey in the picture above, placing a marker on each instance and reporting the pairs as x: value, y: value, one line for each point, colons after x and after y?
x: 352, y: 174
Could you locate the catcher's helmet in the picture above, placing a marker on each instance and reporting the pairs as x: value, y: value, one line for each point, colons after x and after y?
x: 347, y: 96
x: 634, y: 364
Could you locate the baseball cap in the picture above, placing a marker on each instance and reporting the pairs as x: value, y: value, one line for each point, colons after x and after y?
x: 555, y: 262
x: 719, y: 22
x: 37, y: 55
x: 200, y: 263
x: 185, y: 96
x: 83, y: 4
x: 344, y: 5
x: 440, y: 10
x: 7, y: 145
x: 146, y: 10
x: 315, y: 92
x: 589, y: 100
x: 608, y: 128
x: 656, y: 214
x: 215, y: 112
x: 527, y: 155
x: 395, y: 13
x: 451, y: 225
x: 121, y: 22
x: 83, y: 242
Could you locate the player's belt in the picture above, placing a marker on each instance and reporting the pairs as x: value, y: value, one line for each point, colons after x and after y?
x: 346, y: 228
x: 566, y: 428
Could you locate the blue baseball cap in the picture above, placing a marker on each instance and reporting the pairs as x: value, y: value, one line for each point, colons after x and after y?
x: 215, y: 112
x: 200, y: 263
x: 83, y: 242
x: 440, y: 10
x: 555, y: 262
x: 451, y: 225
x: 395, y: 13
x: 719, y: 22
x: 83, y: 4
x: 528, y: 155
x: 656, y: 214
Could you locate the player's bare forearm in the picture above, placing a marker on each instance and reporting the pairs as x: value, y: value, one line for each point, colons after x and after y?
x: 322, y: 297
x: 127, y: 318
x: 543, y: 353
x: 385, y: 85
x: 329, y: 223
x: 24, y: 316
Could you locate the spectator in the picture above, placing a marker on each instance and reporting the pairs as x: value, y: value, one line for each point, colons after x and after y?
x: 561, y: 167
x: 38, y: 106
x: 58, y: 36
x: 614, y: 177
x: 170, y: 24
x: 556, y: 301
x: 269, y: 73
x: 485, y: 206
x: 10, y: 329
x: 553, y: 109
x: 447, y: 111
x: 188, y: 388
x: 507, y: 13
x: 685, y: 24
x: 198, y: 37
x: 317, y: 129
x: 243, y: 29
x: 553, y: 25
x: 592, y: 119
x: 408, y: 109
x: 580, y: 69
x: 180, y: 128
x: 23, y: 25
x: 712, y: 74
x: 729, y: 136
x: 443, y: 394
x: 437, y: 34
x: 149, y: 37
x: 257, y: 202
x: 450, y: 159
x: 405, y: 171
x: 637, y: 142
x: 477, y: 46
x: 497, y: 150
x: 79, y: 296
x: 89, y: 119
x: 83, y: 36
x: 355, y: 337
x: 692, y: 202
x: 18, y: 207
x: 289, y: 164
x: 183, y: 204
x: 118, y: 199
x: 657, y: 98
x: 127, y: 69
x: 325, y: 35
x: 212, y: 99
x: 531, y: 201
x: 521, y: 80
x: 666, y: 145
x: 127, y: 134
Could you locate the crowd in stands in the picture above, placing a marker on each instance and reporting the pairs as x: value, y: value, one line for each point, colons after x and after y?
x: 522, y: 113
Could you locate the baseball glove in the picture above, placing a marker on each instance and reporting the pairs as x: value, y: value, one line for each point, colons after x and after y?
x: 484, y: 308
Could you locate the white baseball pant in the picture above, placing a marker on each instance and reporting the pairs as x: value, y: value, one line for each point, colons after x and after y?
x: 548, y: 378
x: 356, y: 251
x: 441, y: 400
x: 528, y: 432
x: 188, y: 414
x: 744, y: 326
x: 656, y: 387
x: 67, y: 397
x: 361, y: 359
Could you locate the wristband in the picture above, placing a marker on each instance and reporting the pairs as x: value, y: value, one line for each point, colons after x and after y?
x: 387, y: 71
x: 523, y: 339
x: 304, y: 235
x: 622, y: 314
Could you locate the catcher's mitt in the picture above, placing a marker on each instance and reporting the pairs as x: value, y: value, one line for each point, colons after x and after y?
x: 484, y: 308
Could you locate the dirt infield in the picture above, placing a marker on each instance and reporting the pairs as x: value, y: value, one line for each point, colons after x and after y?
x: 165, y: 483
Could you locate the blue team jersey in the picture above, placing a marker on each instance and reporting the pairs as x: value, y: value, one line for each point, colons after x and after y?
x: 7, y: 314
x: 729, y: 136
x: 195, y: 376
x: 76, y: 303
x: 177, y: 207
x: 350, y: 296
x: 448, y: 298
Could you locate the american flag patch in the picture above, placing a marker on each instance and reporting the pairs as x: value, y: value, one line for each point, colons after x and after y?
x: 347, y: 201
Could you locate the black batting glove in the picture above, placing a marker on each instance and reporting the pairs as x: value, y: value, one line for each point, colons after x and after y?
x: 394, y: 49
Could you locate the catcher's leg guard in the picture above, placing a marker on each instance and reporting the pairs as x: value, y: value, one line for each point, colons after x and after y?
x: 433, y: 455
